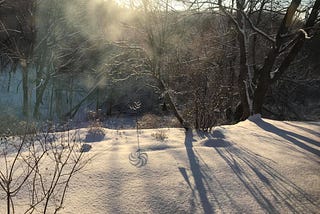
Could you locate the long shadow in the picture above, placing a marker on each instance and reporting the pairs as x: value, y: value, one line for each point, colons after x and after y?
x: 197, y: 174
x: 314, y: 123
x: 270, y: 188
x: 255, y: 173
x: 289, y: 136
x: 226, y: 151
x: 212, y: 179
x: 247, y: 180
x: 262, y: 181
x: 184, y: 174
x: 305, y: 129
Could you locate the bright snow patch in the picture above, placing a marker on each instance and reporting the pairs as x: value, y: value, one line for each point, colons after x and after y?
x: 256, y: 166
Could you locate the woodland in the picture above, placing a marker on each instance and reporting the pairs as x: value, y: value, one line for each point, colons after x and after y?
x: 204, y: 63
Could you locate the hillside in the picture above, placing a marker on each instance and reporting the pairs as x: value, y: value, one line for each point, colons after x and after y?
x: 255, y: 166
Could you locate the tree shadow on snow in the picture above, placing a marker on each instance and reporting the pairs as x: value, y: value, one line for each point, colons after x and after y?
x: 269, y: 188
x: 94, y: 135
x: 289, y: 136
x: 197, y: 173
x: 266, y: 184
x: 184, y: 174
x: 206, y: 182
x: 316, y: 133
x: 216, y: 143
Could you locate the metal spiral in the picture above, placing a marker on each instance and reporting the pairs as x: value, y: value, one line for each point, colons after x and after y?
x: 135, y: 106
x: 138, y: 158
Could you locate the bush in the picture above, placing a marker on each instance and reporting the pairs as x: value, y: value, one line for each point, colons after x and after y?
x: 160, y: 135
x: 95, y: 132
x: 11, y: 125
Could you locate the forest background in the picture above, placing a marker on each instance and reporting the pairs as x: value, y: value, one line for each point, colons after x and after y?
x: 203, y: 63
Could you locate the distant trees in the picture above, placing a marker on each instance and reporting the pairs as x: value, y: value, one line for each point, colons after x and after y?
x: 200, y: 62
x: 50, y: 42
x: 188, y: 70
x: 60, y: 50
x: 17, y: 39
x: 265, y: 50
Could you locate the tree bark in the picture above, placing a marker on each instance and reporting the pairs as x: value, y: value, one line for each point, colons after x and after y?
x: 39, y: 95
x: 172, y: 105
x: 263, y: 82
x: 243, y: 73
x: 25, y: 88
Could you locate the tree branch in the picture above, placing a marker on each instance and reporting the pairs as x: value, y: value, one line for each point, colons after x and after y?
x: 269, y: 38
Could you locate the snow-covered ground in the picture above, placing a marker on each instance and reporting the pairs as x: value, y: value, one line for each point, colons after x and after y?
x: 255, y: 166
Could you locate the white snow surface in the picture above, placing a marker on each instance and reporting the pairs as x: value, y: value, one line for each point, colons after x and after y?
x: 256, y: 166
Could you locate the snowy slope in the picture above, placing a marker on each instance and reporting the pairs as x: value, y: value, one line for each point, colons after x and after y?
x: 256, y: 166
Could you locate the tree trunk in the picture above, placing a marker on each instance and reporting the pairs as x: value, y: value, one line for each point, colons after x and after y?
x: 172, y: 105
x: 40, y: 85
x: 25, y: 107
x: 58, y: 100
x: 8, y: 201
x: 264, y: 81
x: 40, y: 91
x: 243, y: 73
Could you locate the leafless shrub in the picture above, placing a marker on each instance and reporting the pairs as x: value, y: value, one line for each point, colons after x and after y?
x: 95, y: 132
x: 160, y: 135
x: 40, y: 165
x: 10, y: 124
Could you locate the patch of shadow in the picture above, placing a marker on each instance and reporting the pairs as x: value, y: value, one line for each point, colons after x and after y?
x: 294, y: 138
x: 157, y: 147
x: 85, y: 147
x: 94, y: 135
x: 216, y: 143
x: 316, y: 133
x: 280, y: 189
x: 217, y: 134
x: 314, y: 123
x: 184, y: 174
x: 260, y: 175
x: 199, y: 177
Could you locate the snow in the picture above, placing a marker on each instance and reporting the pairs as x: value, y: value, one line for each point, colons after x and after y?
x: 256, y: 166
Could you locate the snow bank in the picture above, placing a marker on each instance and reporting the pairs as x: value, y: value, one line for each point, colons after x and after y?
x: 255, y: 166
